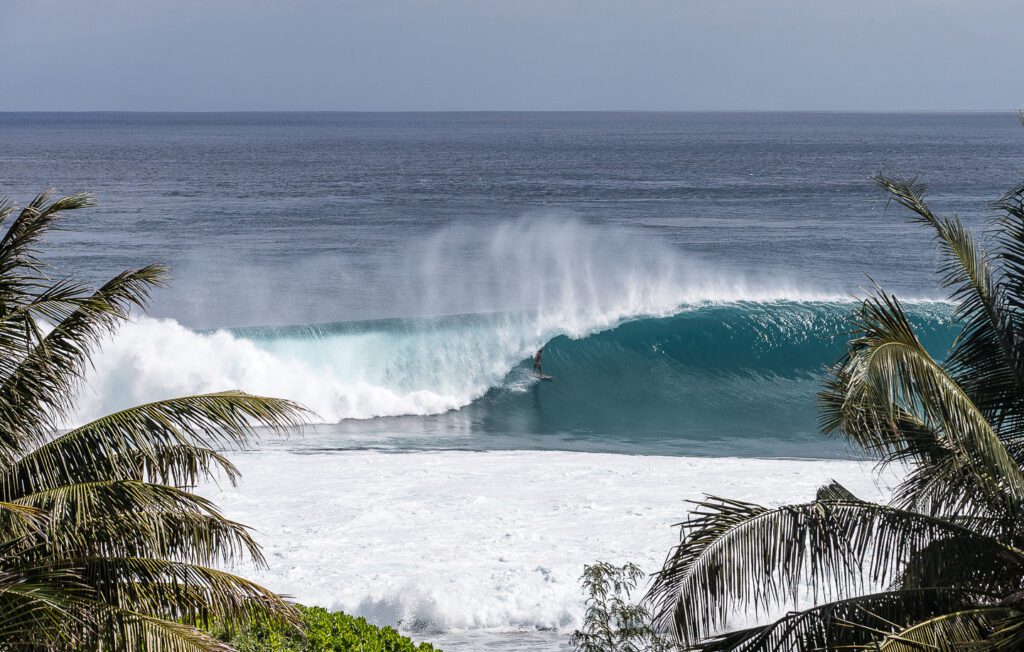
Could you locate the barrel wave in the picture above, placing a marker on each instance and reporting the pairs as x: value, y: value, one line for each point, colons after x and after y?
x: 709, y: 378
x: 739, y: 378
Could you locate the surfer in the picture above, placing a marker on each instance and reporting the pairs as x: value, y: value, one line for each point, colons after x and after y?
x: 536, y: 362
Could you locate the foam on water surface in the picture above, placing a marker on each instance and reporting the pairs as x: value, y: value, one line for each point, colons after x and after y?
x: 654, y: 260
x: 473, y: 548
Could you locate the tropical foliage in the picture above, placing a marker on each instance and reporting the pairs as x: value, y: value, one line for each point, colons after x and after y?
x: 613, y: 622
x: 102, y: 543
x: 319, y: 631
x: 942, y: 565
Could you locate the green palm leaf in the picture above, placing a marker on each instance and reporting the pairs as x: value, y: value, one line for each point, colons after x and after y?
x: 41, y: 389
x: 167, y: 441
x: 734, y: 553
x: 984, y: 359
x: 949, y: 548
x: 852, y: 623
x: 136, y: 632
x: 70, y: 460
x: 889, y: 370
x: 139, y: 518
x: 102, y: 545
x: 169, y: 589
x: 947, y: 632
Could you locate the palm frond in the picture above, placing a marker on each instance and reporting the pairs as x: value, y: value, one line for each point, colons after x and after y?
x: 128, y: 517
x: 949, y: 548
x: 851, y: 623
x: 944, y: 562
x: 735, y: 554
x: 1008, y: 631
x: 40, y: 390
x: 173, y: 590
x: 890, y: 371
x: 18, y: 254
x: 985, y: 359
x: 950, y: 631
x: 102, y: 546
x: 884, y: 430
x: 222, y: 419
x: 172, y: 440
x: 948, y: 489
x: 1010, y: 239
x: 71, y: 459
x: 833, y: 492
x: 137, y: 632
x: 41, y: 604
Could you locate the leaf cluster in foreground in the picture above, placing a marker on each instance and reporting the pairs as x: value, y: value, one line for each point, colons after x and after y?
x: 103, y: 544
x: 320, y: 631
x: 939, y: 567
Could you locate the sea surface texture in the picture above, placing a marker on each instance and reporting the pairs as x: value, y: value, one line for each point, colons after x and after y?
x: 689, y: 275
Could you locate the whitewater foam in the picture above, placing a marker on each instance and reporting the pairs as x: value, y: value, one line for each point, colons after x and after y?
x: 485, y: 542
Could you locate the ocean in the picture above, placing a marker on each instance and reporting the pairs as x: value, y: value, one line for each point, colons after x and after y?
x: 689, y: 275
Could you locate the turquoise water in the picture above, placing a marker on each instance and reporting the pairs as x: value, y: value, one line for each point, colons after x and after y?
x: 690, y: 273
x: 734, y: 379
x: 690, y: 276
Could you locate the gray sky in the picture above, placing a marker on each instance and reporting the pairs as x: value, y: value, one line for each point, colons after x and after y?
x: 511, y: 54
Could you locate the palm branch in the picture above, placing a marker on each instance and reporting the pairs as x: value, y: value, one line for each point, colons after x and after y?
x: 103, y: 545
x: 948, y: 551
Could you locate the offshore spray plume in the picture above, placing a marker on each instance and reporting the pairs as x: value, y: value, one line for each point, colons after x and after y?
x: 576, y: 277
x: 497, y: 294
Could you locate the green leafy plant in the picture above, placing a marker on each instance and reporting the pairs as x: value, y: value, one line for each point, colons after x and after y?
x: 102, y: 543
x: 320, y: 631
x: 942, y: 565
x: 612, y: 623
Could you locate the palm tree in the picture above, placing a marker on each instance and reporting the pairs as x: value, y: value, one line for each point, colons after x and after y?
x: 940, y: 566
x: 102, y: 544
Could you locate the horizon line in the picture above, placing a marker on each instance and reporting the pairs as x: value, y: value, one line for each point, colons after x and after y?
x: 399, y: 111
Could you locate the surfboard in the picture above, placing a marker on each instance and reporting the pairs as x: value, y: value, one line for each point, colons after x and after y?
x: 543, y: 377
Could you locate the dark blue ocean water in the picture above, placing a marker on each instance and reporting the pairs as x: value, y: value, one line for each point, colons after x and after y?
x: 721, y: 245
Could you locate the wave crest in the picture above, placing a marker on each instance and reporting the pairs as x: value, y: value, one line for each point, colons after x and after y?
x: 520, y: 285
x: 691, y: 370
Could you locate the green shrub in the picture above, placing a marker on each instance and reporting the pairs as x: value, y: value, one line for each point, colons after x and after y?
x: 613, y: 622
x: 325, y: 631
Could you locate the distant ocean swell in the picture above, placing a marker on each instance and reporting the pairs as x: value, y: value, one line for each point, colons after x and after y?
x: 705, y: 367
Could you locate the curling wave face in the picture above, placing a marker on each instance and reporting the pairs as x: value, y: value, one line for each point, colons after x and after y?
x: 644, y: 342
x: 708, y: 372
x: 516, y: 285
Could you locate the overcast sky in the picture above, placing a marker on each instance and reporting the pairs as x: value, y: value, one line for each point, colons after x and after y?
x: 511, y: 54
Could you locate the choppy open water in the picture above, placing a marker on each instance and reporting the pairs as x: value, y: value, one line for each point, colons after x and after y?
x: 689, y: 274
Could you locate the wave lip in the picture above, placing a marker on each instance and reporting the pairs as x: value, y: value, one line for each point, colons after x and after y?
x: 510, y: 289
x: 688, y: 370
x: 522, y: 283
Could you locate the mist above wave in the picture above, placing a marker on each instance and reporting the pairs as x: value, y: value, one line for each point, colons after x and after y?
x: 531, y: 280
x: 573, y: 276
x: 548, y: 261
